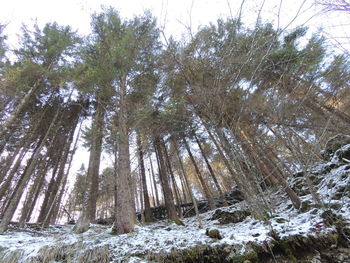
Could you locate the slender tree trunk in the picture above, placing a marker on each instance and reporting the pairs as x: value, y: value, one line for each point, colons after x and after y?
x: 9, y: 161
x: 168, y: 195
x: 6, y: 185
x: 88, y: 212
x: 204, y: 185
x: 184, y: 175
x: 154, y: 181
x: 211, y: 171
x: 45, y: 204
x: 176, y: 189
x: 63, y: 187
x: 147, y: 207
x: 32, y: 195
x: 60, y: 176
x: 7, y: 127
x: 9, y: 212
x: 94, y: 160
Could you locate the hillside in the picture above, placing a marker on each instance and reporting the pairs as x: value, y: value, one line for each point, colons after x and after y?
x: 231, y: 234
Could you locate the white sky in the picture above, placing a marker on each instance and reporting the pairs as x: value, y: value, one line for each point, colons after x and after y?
x: 174, y: 14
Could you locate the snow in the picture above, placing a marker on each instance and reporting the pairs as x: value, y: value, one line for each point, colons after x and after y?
x: 165, y: 236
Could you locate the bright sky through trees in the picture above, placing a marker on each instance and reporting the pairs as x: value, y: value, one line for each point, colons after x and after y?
x: 175, y: 16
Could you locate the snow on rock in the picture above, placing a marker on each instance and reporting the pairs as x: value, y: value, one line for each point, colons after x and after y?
x: 60, y: 244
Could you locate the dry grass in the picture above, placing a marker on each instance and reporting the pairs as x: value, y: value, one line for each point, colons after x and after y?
x: 77, y: 253
x: 10, y: 256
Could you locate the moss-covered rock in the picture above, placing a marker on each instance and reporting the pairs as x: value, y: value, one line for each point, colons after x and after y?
x: 225, y: 217
x: 213, y: 233
x: 335, y: 144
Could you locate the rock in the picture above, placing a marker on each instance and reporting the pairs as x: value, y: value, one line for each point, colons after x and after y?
x: 334, y: 144
x: 306, y: 206
x: 225, y: 217
x: 213, y: 233
x: 235, y: 194
x: 342, y: 154
x: 81, y: 227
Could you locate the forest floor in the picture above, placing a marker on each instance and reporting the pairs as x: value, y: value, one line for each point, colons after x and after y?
x: 315, y: 233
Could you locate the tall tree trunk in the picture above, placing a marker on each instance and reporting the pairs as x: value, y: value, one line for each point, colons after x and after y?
x: 176, y: 189
x: 63, y: 187
x: 125, y: 214
x: 7, y: 127
x: 147, y: 207
x: 6, y: 184
x: 184, y: 175
x: 203, y: 183
x: 154, y: 181
x: 94, y: 161
x: 211, y: 171
x: 168, y: 195
x: 9, y: 212
x: 60, y: 176
x: 88, y: 212
x: 32, y: 194
x: 45, y: 204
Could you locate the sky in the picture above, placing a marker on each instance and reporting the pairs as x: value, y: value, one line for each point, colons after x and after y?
x: 175, y: 16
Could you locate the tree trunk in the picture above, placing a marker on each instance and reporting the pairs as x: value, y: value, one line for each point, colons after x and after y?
x: 176, y: 189
x: 22, y: 183
x: 60, y: 176
x: 88, y: 213
x: 204, y: 185
x: 211, y: 171
x: 147, y: 207
x: 33, y: 194
x: 154, y: 182
x: 7, y: 127
x: 63, y: 188
x: 94, y: 161
x: 184, y: 175
x: 168, y: 195
x: 125, y: 214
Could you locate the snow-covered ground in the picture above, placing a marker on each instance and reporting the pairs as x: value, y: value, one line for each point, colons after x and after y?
x: 97, y: 244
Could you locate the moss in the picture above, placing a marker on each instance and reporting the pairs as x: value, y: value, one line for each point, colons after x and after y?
x: 281, y: 220
x: 213, y: 233
x: 178, y: 222
x: 305, y: 206
x: 251, y: 256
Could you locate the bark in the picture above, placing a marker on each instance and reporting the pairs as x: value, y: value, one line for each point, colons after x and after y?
x: 168, y: 195
x: 6, y: 185
x: 33, y: 195
x: 184, y: 175
x: 8, y: 126
x: 94, y: 161
x: 154, y: 182
x: 125, y: 214
x: 63, y: 188
x: 147, y: 207
x: 176, y: 189
x: 211, y: 171
x: 203, y: 183
x: 44, y: 206
x: 60, y: 176
x: 88, y: 213
x: 22, y: 183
